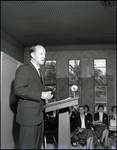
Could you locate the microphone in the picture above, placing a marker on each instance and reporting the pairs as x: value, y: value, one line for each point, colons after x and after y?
x: 52, y: 92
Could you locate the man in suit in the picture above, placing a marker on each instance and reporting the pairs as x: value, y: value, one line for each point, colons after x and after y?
x: 29, y: 87
x: 102, y: 128
x: 83, y: 130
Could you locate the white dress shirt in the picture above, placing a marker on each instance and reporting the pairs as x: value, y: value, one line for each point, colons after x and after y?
x: 36, y: 66
x: 82, y: 121
x: 101, y: 116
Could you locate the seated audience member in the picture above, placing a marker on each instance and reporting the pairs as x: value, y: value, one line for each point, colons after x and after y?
x: 83, y: 130
x: 112, y: 123
x: 87, y: 114
x: 113, y: 116
x: 73, y: 113
x: 101, y: 126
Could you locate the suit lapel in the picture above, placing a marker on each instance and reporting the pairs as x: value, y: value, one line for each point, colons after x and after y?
x: 98, y: 116
x: 79, y: 120
x: 103, y: 117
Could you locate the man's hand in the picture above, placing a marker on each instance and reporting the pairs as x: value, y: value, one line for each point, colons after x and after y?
x: 46, y: 95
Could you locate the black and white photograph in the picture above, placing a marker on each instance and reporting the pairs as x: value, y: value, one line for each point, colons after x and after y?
x: 58, y: 75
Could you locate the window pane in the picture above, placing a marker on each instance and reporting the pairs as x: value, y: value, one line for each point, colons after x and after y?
x: 100, y: 75
x: 100, y: 71
x: 50, y: 72
x: 99, y: 63
x: 74, y: 72
x: 50, y: 80
x: 100, y: 94
x: 50, y: 64
x: 51, y: 88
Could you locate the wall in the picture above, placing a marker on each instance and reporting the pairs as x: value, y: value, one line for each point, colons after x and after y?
x: 86, y: 53
x: 10, y: 129
x: 11, y: 47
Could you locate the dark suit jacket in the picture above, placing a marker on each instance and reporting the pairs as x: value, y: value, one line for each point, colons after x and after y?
x: 105, y: 117
x: 89, y: 116
x: 28, y: 88
x: 88, y: 121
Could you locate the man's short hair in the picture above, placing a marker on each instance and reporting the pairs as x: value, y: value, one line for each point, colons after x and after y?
x: 87, y: 107
x: 33, y: 48
x: 101, y: 106
x: 81, y: 107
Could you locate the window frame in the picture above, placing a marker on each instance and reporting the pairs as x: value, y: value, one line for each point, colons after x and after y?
x: 100, y: 67
x: 100, y: 85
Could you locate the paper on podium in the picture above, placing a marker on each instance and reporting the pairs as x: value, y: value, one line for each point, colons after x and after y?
x: 61, y: 104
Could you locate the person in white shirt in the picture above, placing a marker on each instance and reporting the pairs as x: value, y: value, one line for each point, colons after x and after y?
x: 83, y: 130
x: 112, y: 123
x: 113, y: 116
x: 102, y: 128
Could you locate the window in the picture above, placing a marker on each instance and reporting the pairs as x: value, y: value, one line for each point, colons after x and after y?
x: 100, y: 71
x: 74, y: 77
x: 100, y: 96
x: 50, y: 77
x: 100, y: 83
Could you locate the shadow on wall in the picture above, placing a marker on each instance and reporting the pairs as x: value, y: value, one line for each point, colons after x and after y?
x: 13, y: 106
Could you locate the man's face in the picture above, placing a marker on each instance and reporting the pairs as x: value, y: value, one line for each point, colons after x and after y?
x: 39, y: 55
x: 81, y: 110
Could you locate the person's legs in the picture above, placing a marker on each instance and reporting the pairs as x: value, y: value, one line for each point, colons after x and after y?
x: 106, y: 137
x: 31, y: 137
x: 39, y: 137
x: 88, y: 143
x: 89, y: 139
x: 103, y: 135
x: 91, y: 143
x: 27, y: 137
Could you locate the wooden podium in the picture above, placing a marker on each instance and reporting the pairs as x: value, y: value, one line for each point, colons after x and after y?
x: 64, y: 135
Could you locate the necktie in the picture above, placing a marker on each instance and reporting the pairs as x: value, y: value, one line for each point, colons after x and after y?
x: 41, y: 75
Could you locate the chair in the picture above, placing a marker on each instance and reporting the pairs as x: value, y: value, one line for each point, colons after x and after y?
x: 49, y: 134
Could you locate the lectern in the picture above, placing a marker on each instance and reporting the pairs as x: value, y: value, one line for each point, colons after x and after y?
x: 64, y: 120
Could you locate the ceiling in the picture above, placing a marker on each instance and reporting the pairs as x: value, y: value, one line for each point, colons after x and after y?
x: 59, y: 22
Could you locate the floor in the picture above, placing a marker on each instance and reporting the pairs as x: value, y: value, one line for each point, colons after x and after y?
x: 52, y: 146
